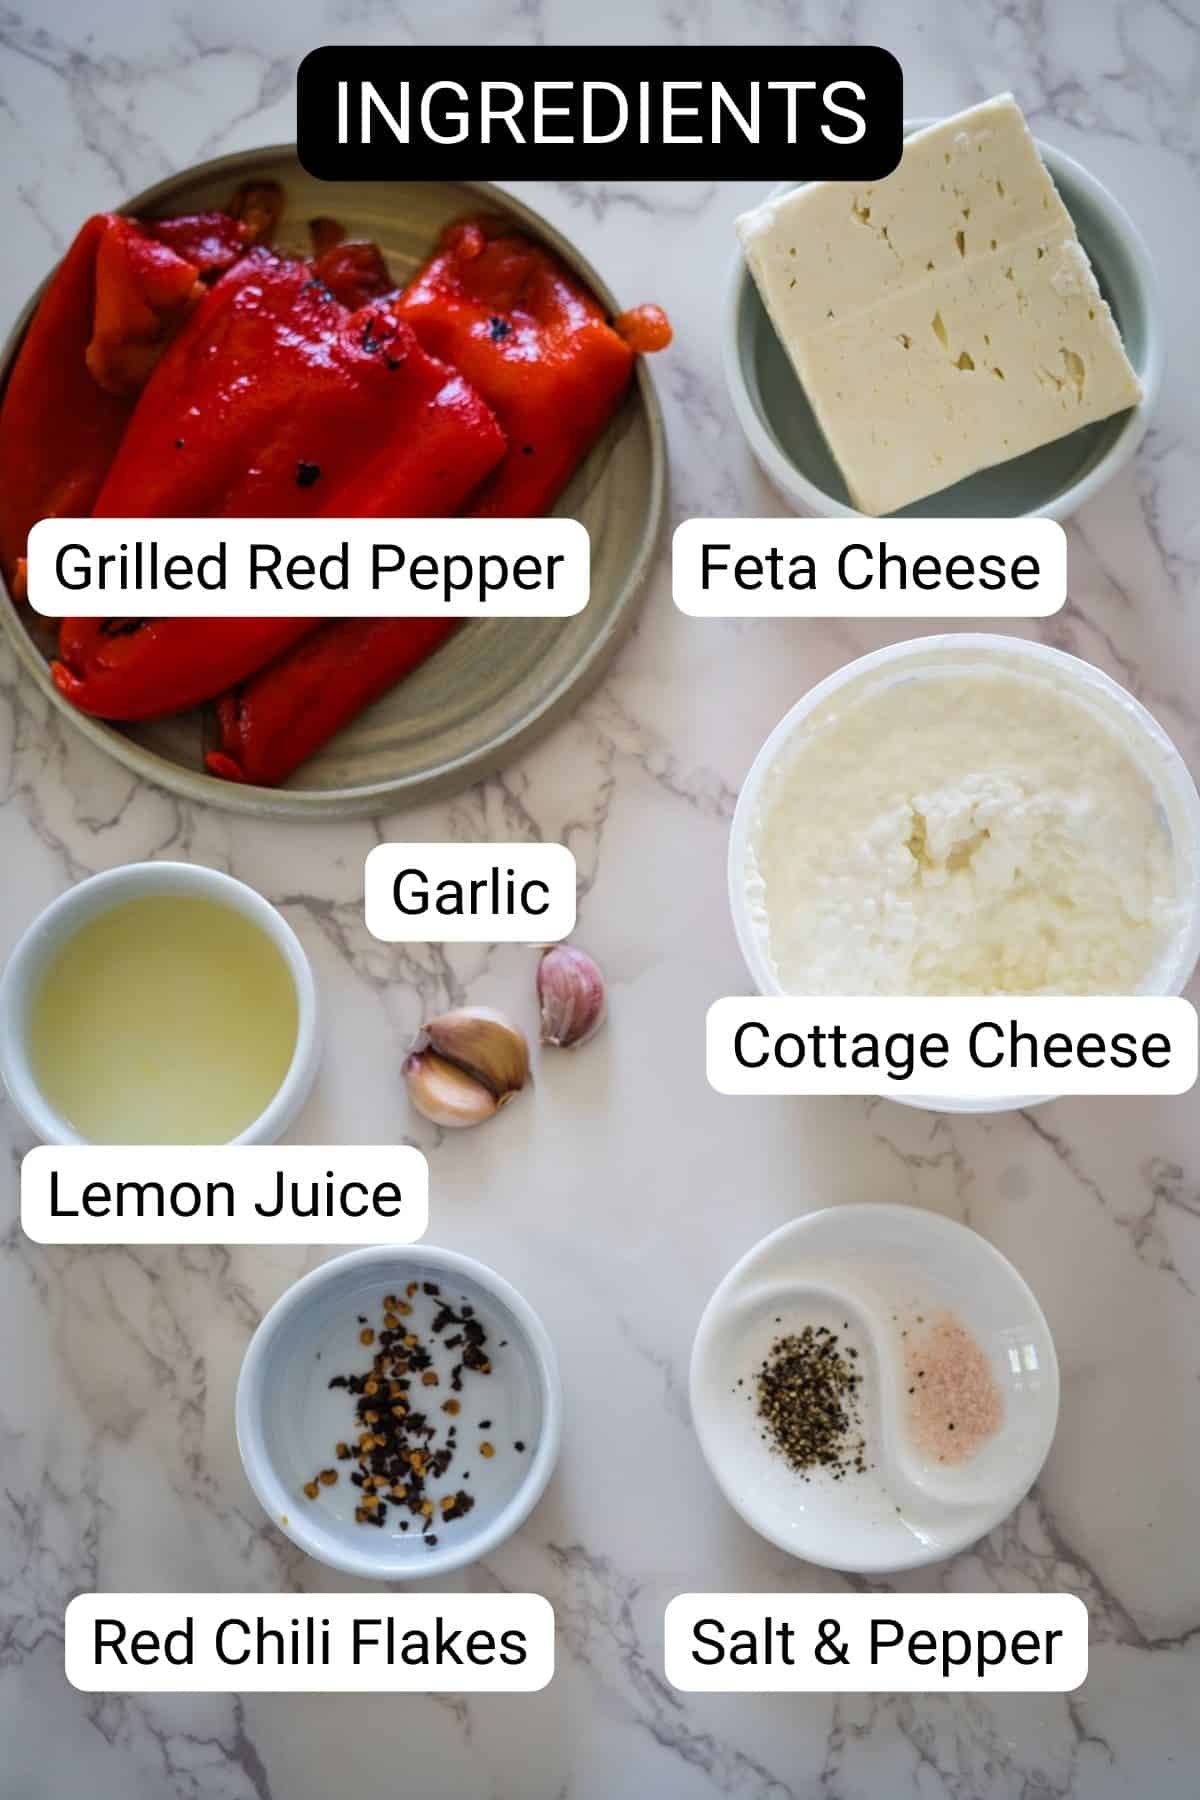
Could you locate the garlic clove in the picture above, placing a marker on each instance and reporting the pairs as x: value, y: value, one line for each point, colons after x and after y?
x: 446, y: 1094
x: 485, y: 1044
x: 572, y: 996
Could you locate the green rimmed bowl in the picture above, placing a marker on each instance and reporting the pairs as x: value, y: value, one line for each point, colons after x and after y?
x: 1051, y: 482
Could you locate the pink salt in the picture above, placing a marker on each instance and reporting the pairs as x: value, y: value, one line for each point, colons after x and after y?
x: 954, y: 1405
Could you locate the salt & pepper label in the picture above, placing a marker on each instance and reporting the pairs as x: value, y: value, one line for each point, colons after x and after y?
x: 872, y: 1643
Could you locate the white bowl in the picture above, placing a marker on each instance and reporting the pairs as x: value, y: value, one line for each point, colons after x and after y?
x: 1052, y: 482
x: 1143, y: 736
x: 859, y: 1264
x: 289, y: 1419
x: 98, y: 894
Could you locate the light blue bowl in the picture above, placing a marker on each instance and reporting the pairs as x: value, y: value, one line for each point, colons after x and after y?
x: 289, y: 1419
x: 1053, y: 482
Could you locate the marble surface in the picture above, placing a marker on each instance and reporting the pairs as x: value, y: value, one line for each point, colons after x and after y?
x: 618, y: 1192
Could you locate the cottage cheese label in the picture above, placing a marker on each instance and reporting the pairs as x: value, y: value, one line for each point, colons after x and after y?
x: 961, y: 1048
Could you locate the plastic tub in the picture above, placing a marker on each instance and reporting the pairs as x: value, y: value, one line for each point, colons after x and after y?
x: 1141, y: 733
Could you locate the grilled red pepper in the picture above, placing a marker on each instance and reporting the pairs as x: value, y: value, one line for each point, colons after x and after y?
x: 290, y: 709
x: 139, y: 668
x: 211, y: 240
x: 355, y: 272
x: 102, y: 321
x: 258, y: 208
x: 537, y: 346
x: 144, y: 291
x: 275, y: 401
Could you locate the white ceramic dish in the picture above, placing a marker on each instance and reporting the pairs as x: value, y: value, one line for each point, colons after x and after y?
x: 1144, y: 737
x: 288, y: 1417
x: 64, y: 916
x: 1052, y: 482
x: 873, y: 1268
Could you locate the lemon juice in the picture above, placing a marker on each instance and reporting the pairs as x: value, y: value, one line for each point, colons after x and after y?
x: 164, y: 1020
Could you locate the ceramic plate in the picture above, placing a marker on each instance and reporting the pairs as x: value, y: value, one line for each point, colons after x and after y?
x: 496, y: 685
x: 876, y: 1276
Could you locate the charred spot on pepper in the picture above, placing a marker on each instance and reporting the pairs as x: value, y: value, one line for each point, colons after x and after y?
x: 117, y: 628
x: 318, y: 287
x: 307, y: 473
x: 499, y: 329
x: 379, y: 334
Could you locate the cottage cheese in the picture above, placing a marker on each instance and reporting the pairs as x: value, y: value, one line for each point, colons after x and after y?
x: 961, y: 833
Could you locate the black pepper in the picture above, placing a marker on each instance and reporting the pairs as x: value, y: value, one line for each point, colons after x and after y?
x: 808, y: 1400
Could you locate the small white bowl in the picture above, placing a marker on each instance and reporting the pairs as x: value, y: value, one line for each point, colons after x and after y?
x: 1144, y: 738
x: 289, y: 1419
x: 98, y: 894
x: 856, y: 1266
x: 1052, y: 482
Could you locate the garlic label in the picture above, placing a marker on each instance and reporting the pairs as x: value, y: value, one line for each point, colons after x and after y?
x: 470, y: 893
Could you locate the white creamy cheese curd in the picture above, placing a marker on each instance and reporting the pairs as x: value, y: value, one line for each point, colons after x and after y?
x: 960, y: 833
x: 943, y: 319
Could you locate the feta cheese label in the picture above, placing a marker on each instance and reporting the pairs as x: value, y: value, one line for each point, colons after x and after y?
x: 864, y: 569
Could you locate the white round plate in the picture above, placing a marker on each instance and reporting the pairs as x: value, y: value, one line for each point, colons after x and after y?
x: 871, y: 1273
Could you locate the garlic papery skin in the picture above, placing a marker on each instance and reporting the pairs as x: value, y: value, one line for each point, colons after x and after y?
x: 572, y: 996
x: 445, y: 1094
x: 486, y: 1045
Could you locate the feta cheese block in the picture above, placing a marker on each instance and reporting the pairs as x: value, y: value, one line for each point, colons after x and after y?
x: 943, y: 319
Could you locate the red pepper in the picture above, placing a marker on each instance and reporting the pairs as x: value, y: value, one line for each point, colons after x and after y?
x: 275, y: 401
x: 143, y: 292
x: 537, y: 346
x: 258, y: 208
x: 290, y: 709
x: 355, y: 272
x: 139, y: 668
x: 102, y: 319
x: 212, y: 240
